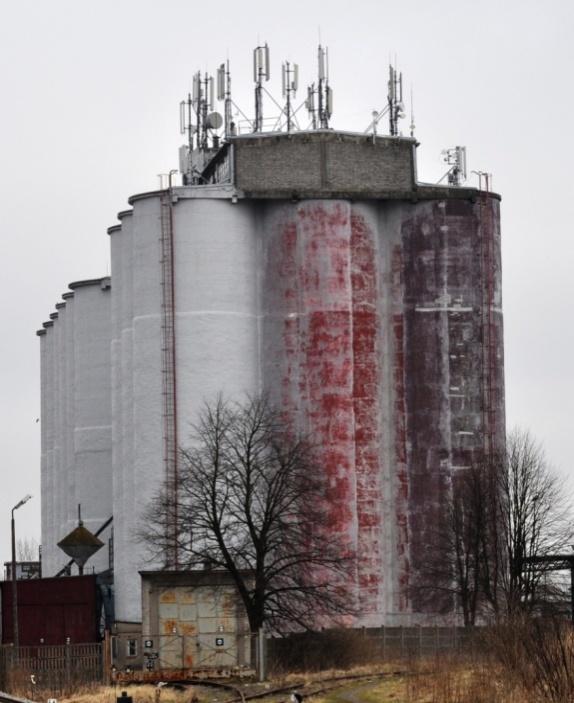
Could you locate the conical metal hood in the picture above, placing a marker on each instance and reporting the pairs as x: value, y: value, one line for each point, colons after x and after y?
x: 80, y: 545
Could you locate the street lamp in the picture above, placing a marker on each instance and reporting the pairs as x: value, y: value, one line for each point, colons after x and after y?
x: 16, y: 636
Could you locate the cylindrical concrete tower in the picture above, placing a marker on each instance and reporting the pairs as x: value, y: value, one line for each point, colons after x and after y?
x: 315, y: 268
x: 76, y: 426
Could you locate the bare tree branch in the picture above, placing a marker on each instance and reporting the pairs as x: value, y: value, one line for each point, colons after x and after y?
x: 250, y: 500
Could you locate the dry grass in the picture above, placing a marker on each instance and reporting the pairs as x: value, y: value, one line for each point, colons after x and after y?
x: 521, y: 662
x: 140, y: 694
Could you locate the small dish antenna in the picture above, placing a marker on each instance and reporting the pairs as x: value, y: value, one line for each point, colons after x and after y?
x: 214, y: 120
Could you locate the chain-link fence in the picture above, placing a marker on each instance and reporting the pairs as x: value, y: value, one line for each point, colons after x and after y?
x: 344, y: 648
x: 175, y: 655
x: 58, y: 669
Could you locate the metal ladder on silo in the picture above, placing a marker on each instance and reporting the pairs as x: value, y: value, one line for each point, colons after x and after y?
x: 169, y: 389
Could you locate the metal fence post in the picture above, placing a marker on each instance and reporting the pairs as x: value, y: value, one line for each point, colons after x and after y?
x: 261, y: 655
x: 68, y: 662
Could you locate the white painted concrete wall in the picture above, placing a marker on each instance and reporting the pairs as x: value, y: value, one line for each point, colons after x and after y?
x: 92, y: 412
x: 76, y: 421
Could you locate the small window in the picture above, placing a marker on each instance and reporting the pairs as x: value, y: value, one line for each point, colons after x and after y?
x: 132, y: 648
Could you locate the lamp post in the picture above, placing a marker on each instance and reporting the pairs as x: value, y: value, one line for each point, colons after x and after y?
x: 16, y: 636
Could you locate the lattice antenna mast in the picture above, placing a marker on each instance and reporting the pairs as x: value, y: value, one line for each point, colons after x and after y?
x: 260, y: 73
x: 290, y: 82
x: 395, y: 100
x: 224, y: 93
x: 325, y: 94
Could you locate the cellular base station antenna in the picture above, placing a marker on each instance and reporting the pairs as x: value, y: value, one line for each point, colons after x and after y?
x: 320, y: 111
x: 394, y: 107
x: 456, y: 159
x: 186, y: 125
x: 395, y: 100
x: 324, y: 92
x: 200, y: 128
x: 260, y: 73
x: 224, y: 93
x: 412, y: 126
x: 290, y: 82
x: 203, y: 105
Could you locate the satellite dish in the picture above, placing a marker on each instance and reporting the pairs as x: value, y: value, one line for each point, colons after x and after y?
x: 214, y: 120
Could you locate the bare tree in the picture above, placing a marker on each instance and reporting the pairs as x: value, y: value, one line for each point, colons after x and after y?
x: 27, y: 549
x: 527, y: 516
x: 504, y: 510
x: 250, y: 499
x: 452, y: 573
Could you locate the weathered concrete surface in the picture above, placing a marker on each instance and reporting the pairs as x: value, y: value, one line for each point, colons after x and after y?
x: 376, y: 325
x: 76, y: 420
x: 374, y: 339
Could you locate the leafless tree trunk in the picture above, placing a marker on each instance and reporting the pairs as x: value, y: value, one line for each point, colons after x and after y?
x: 249, y: 500
x: 452, y: 572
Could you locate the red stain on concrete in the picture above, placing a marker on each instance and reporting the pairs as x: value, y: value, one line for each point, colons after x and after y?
x: 366, y: 380
x: 442, y: 330
x: 401, y: 496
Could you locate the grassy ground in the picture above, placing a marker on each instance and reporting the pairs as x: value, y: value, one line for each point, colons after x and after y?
x: 440, y: 680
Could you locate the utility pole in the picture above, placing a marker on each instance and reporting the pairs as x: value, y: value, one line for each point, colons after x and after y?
x: 15, y: 629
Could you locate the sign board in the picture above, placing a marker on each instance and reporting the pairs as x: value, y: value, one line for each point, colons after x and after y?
x: 219, y: 642
x: 148, y: 644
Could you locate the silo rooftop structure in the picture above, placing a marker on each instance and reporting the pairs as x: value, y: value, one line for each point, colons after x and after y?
x: 313, y: 266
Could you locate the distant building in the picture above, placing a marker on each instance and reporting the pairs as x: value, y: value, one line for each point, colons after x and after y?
x: 24, y: 570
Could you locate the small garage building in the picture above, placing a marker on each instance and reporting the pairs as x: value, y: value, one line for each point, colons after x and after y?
x: 193, y: 621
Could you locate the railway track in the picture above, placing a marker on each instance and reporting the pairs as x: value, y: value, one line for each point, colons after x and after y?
x: 239, y: 695
x: 7, y: 698
x: 307, y: 689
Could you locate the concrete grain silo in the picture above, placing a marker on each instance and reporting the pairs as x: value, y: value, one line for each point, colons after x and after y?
x: 314, y: 267
x: 76, y: 439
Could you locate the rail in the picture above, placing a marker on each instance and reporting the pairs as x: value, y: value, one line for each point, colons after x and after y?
x: 7, y: 698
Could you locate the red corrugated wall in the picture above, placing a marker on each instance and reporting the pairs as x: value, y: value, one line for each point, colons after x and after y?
x: 52, y: 609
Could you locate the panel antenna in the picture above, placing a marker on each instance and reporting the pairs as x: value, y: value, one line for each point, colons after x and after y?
x: 290, y: 83
x: 324, y: 92
x: 395, y: 100
x: 224, y: 93
x: 260, y: 73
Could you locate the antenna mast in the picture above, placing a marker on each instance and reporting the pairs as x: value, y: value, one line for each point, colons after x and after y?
x: 260, y: 72
x: 325, y: 94
x: 224, y: 93
x: 310, y: 105
x: 412, y: 115
x: 290, y: 79
x: 186, y: 126
x: 456, y: 159
x: 395, y: 100
x: 203, y: 105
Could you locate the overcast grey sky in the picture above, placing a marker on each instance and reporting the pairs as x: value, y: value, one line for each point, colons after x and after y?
x: 90, y: 94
